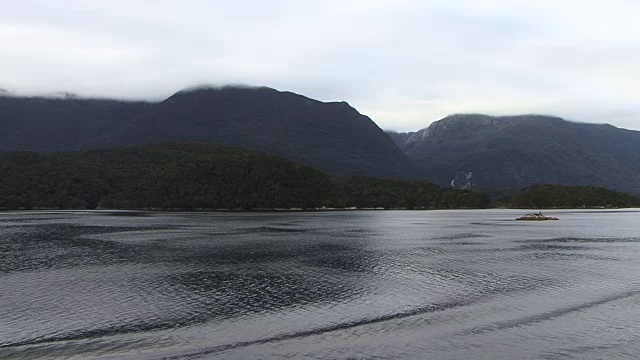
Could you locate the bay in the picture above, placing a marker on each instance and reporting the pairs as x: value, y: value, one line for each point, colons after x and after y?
x: 322, y: 285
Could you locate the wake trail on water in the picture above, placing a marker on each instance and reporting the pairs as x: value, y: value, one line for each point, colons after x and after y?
x: 534, y: 319
x: 323, y: 330
x: 409, y: 313
x: 101, y: 333
x: 89, y: 335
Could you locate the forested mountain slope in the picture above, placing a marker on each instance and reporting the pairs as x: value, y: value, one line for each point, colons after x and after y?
x: 479, y: 151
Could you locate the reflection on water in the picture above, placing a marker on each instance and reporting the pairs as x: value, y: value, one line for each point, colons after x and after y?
x: 385, y: 284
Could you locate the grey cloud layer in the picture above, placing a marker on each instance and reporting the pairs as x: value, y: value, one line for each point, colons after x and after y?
x: 405, y: 63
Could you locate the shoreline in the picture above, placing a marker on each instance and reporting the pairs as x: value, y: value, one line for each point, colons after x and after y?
x: 291, y: 210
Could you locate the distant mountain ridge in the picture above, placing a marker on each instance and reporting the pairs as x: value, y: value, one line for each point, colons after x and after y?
x: 468, y: 151
x: 332, y: 137
x: 480, y: 151
x: 50, y: 124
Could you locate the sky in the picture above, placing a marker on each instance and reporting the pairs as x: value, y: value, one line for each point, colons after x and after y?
x: 404, y: 63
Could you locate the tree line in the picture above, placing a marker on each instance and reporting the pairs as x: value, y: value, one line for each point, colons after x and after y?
x: 202, y: 176
x: 544, y: 196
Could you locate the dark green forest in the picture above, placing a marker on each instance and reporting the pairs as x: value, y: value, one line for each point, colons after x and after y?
x: 570, y: 197
x: 202, y: 176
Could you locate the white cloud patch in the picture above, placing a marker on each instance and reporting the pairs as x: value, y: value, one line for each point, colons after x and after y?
x: 405, y: 63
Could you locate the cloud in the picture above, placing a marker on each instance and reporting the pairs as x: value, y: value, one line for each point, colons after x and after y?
x: 404, y: 62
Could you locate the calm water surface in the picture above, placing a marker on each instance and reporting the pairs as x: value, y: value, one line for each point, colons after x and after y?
x: 332, y: 285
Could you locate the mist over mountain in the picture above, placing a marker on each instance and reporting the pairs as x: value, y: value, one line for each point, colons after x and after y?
x: 332, y: 137
x: 468, y: 151
x: 59, y: 123
x: 480, y: 151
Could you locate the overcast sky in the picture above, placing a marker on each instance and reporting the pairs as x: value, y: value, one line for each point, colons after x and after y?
x: 404, y: 63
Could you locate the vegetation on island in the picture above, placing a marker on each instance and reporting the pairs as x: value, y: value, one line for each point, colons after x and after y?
x: 202, y: 176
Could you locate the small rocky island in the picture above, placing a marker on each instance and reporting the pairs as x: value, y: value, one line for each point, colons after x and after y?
x: 539, y: 216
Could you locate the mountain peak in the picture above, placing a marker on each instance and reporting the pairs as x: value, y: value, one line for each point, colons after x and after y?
x: 235, y: 90
x: 517, y: 151
x: 330, y: 136
x: 223, y: 88
x: 457, y: 123
x: 5, y: 92
x: 488, y: 120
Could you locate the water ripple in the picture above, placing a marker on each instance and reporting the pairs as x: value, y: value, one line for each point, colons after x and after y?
x: 382, y: 284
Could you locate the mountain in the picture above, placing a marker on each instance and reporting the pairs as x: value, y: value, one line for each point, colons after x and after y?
x: 56, y: 124
x: 332, y: 137
x: 485, y: 152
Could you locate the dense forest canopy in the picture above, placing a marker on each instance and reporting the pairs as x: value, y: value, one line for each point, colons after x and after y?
x: 202, y: 176
x: 571, y: 197
x: 206, y: 176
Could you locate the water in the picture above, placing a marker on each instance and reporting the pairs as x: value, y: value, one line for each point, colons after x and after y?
x: 330, y: 285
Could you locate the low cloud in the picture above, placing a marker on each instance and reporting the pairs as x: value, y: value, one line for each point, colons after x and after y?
x: 405, y: 63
